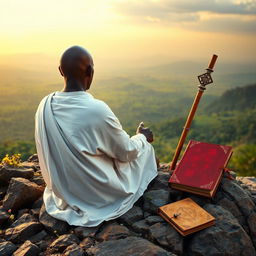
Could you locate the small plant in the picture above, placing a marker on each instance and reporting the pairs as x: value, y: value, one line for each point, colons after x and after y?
x: 13, y: 160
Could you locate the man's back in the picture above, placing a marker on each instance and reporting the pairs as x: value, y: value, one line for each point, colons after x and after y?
x: 78, y: 113
x: 93, y: 170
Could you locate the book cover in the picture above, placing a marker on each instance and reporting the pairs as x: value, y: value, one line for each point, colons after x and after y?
x: 201, y: 165
x: 186, y: 216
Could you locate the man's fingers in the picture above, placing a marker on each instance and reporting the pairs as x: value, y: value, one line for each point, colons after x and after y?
x: 141, y: 124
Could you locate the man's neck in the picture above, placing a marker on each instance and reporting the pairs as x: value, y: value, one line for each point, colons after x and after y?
x: 73, y: 85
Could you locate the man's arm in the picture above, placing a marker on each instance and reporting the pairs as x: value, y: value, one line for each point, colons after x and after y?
x: 117, y: 143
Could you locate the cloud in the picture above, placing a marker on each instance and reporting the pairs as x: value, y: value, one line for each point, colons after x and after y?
x: 225, y: 25
x: 239, y: 16
x: 163, y: 7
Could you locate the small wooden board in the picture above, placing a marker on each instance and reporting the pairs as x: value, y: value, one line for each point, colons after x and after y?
x: 190, y: 217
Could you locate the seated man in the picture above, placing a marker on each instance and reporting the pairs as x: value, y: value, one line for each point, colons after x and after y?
x: 94, y: 171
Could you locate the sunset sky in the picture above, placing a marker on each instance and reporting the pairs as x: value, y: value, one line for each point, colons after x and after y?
x: 129, y: 32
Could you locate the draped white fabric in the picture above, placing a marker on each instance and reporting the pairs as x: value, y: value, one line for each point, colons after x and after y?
x: 94, y: 171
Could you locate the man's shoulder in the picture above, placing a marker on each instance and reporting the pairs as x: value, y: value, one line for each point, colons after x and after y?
x: 102, y: 112
x: 46, y: 97
x: 43, y: 101
x: 101, y: 106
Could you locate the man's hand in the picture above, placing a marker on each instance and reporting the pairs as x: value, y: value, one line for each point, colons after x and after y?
x: 145, y: 131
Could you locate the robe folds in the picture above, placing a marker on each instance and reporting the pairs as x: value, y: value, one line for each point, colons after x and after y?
x: 93, y: 170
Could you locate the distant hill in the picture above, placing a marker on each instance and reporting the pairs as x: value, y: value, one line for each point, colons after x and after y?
x: 239, y: 98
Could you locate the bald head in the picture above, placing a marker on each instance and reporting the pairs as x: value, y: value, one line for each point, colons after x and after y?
x: 76, y: 62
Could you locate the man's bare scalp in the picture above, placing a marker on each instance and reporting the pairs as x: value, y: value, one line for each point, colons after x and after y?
x: 76, y: 66
x: 74, y: 61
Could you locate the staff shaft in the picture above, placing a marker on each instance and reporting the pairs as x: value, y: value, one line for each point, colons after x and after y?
x: 186, y: 128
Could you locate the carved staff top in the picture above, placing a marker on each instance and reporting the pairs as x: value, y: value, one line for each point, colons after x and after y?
x: 206, y: 78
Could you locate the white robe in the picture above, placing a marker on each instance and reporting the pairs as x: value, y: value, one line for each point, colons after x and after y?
x: 94, y: 171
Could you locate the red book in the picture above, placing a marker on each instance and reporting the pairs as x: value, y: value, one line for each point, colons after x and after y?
x: 200, y: 168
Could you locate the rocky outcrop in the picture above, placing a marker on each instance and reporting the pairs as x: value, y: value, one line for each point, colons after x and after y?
x: 21, y: 192
x: 27, y: 229
x: 128, y: 246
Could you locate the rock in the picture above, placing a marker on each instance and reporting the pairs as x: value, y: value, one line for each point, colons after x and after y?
x: 25, y: 218
x: 23, y: 231
x: 228, y: 174
x: 43, y: 245
x: 3, y: 190
x: 250, y: 182
x: 7, y: 248
x: 165, y: 167
x: 252, y: 227
x: 254, y: 198
x: 83, y: 232
x: 132, y: 246
x: 200, y: 200
x: 27, y: 249
x: 4, y: 216
x: 226, y: 237
x: 113, y: 231
x: 73, y: 250
x: 242, y: 199
x: 141, y: 227
x: 21, y: 212
x: 246, y: 206
x: 87, y: 243
x: 133, y: 215
x: 232, y: 208
x: 154, y: 219
x: 35, y: 212
x: 38, y: 203
x: 30, y: 165
x: 176, y: 195
x: 161, y: 181
x: 33, y: 158
x: 38, y: 237
x: 52, y: 224
x: 20, y: 193
x: 147, y: 214
x: 139, y: 202
x: 6, y: 173
x: 219, y: 195
x: 154, y: 199
x: 39, y: 180
x: 62, y: 242
x: 167, y: 237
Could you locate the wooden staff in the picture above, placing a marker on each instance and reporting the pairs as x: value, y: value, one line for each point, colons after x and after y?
x: 204, y: 79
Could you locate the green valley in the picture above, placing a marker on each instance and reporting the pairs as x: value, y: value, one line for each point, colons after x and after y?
x: 162, y: 99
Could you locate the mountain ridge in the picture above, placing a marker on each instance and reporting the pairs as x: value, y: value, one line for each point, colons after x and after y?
x: 239, y: 98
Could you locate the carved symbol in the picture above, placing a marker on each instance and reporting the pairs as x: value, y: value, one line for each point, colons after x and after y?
x: 194, y: 143
x: 175, y: 178
x: 205, y: 79
x: 207, y: 185
x: 187, y: 213
x: 224, y: 149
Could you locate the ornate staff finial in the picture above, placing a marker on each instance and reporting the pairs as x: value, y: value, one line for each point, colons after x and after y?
x: 206, y: 78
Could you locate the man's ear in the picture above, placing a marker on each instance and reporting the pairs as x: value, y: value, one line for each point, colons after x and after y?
x: 90, y: 75
x: 61, y: 71
x: 88, y: 71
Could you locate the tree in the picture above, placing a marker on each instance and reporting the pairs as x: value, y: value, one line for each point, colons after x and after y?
x: 243, y: 160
